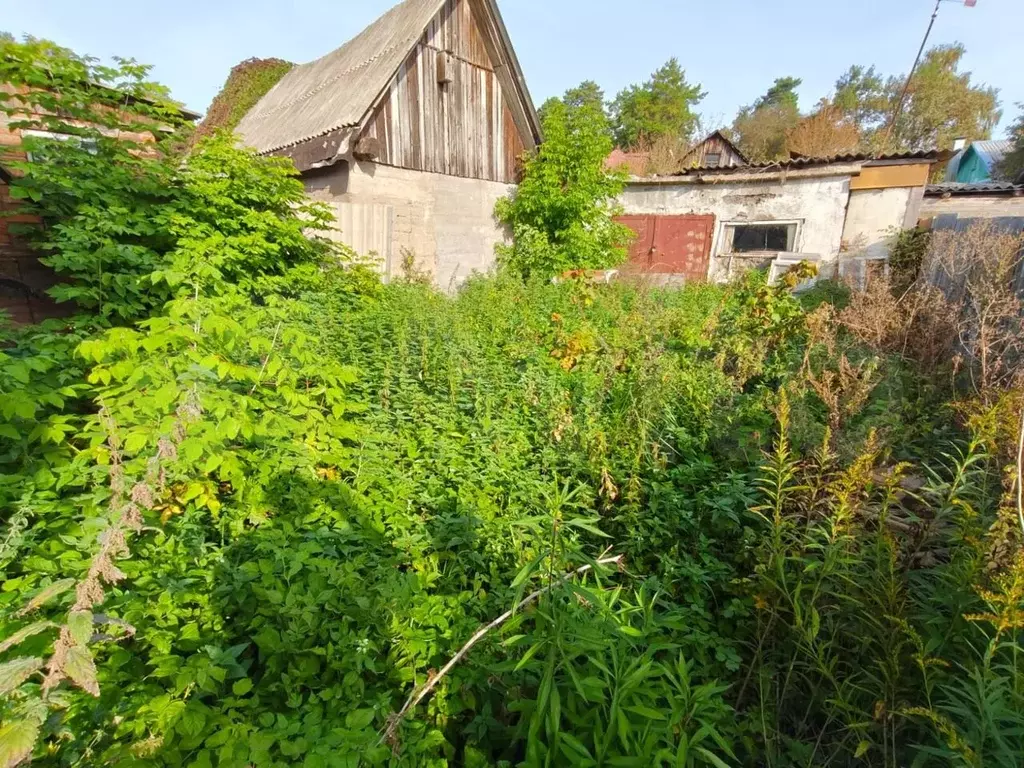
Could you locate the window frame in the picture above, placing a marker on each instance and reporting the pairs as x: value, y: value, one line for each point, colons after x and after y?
x: 718, y: 160
x: 87, y: 143
x: 727, y: 234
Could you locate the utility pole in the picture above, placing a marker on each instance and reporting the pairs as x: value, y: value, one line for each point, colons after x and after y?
x: 913, y: 69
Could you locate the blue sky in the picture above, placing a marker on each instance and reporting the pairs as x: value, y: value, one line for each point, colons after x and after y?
x: 734, y: 48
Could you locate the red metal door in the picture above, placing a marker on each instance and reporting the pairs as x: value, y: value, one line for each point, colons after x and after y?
x: 676, y: 245
x: 641, y: 248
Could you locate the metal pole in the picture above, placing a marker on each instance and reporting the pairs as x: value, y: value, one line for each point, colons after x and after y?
x: 910, y: 77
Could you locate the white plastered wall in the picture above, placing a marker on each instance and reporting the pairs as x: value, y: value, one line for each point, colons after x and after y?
x: 817, y: 205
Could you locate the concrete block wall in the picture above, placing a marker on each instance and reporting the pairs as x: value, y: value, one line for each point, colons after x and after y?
x: 444, y: 223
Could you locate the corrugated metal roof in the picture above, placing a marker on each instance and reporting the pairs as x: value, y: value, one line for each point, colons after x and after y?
x: 992, y: 152
x: 337, y: 90
x: 806, y: 162
x: 979, y: 188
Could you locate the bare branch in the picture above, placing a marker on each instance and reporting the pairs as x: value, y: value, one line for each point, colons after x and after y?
x: 421, y: 693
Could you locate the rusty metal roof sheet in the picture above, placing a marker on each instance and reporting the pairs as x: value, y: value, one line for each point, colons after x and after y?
x: 979, y: 188
x: 337, y: 90
x: 636, y: 163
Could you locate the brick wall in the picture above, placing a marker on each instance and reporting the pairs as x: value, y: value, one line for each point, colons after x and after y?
x: 23, y: 279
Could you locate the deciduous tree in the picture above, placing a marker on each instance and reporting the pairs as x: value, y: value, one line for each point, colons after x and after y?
x: 561, y: 214
x: 1012, y: 166
x: 942, y: 104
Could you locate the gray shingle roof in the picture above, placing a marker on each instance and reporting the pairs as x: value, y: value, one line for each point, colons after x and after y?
x: 337, y: 90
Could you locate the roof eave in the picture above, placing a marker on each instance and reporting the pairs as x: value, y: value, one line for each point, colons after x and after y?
x: 746, y: 175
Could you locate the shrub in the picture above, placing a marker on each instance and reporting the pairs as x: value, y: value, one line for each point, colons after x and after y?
x: 560, y: 218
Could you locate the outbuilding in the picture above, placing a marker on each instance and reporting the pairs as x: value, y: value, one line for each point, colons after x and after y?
x: 410, y: 132
x: 708, y: 223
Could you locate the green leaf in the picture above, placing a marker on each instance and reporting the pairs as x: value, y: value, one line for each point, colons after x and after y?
x: 241, y: 687
x: 24, y: 633
x: 359, y: 718
x: 17, y: 740
x: 80, y: 624
x: 136, y: 442
x: 81, y: 669
x: 711, y: 757
x: 862, y: 749
x: 14, y: 673
x: 46, y: 594
x: 648, y: 712
x: 191, y: 722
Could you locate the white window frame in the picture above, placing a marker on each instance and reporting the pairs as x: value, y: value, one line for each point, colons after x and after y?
x: 726, y: 233
x: 89, y: 144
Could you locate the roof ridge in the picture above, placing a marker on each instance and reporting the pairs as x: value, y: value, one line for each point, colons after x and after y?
x: 323, y: 84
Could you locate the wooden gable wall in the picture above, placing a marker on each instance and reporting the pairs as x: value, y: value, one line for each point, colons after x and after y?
x: 698, y: 157
x: 463, y: 127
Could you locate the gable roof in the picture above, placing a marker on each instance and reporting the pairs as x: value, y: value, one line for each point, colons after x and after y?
x: 338, y: 91
x: 724, y: 139
x: 990, y: 153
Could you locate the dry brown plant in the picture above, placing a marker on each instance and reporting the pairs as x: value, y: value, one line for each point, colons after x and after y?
x: 981, y: 274
x: 826, y: 133
x: 918, y: 324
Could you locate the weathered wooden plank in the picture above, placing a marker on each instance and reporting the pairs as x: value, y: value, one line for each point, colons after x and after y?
x: 463, y: 127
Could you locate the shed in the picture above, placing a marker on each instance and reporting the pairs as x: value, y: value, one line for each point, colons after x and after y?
x: 715, y: 151
x: 411, y: 132
x: 977, y: 162
x: 709, y: 223
x: 984, y: 200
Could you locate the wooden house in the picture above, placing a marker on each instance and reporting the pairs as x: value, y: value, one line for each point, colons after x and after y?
x: 716, y: 151
x: 411, y: 132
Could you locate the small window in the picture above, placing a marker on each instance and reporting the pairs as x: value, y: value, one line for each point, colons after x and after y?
x: 713, y: 159
x: 751, y: 238
x: 86, y: 143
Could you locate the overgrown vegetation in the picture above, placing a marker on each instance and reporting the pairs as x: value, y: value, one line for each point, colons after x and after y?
x: 560, y: 216
x: 262, y: 510
x: 247, y: 83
